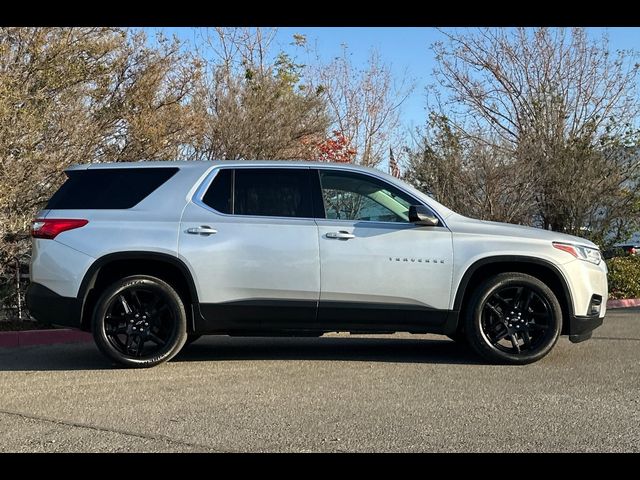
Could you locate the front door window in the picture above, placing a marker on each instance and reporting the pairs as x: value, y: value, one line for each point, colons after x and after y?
x: 350, y: 196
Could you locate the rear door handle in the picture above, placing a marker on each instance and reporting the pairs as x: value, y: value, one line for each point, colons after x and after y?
x: 341, y: 235
x: 202, y: 230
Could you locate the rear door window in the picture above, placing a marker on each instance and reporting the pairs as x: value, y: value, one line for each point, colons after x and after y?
x: 219, y: 193
x: 271, y: 192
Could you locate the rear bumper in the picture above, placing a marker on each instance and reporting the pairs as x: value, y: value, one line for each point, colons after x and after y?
x: 47, y: 306
x: 581, y: 328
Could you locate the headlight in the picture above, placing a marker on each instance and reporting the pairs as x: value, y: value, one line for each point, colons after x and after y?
x: 588, y: 254
x: 591, y: 255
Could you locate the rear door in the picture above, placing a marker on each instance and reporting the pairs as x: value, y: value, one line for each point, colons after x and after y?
x: 251, y: 241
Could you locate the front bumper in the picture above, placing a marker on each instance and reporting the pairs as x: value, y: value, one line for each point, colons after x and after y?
x: 581, y: 328
x: 48, y: 307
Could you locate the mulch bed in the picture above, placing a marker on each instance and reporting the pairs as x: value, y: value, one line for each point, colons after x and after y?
x: 18, y: 326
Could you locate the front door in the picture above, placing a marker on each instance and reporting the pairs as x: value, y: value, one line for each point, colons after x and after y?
x: 378, y: 270
x: 252, y: 245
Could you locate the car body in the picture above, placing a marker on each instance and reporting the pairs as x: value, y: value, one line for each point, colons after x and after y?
x: 629, y: 248
x: 622, y: 250
x: 293, y: 248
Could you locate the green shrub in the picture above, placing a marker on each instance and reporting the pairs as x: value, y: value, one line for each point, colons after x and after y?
x: 624, y: 277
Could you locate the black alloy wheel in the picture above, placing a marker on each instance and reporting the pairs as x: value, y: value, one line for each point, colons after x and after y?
x: 513, y: 318
x: 140, y: 321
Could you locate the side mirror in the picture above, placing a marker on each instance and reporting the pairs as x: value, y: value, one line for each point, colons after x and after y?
x: 421, y: 215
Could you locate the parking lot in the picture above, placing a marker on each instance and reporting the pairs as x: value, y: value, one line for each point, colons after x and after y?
x: 334, y: 393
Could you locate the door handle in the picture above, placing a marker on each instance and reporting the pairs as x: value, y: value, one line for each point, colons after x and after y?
x: 202, y: 230
x: 341, y: 235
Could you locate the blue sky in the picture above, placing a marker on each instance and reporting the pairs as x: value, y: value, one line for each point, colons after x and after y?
x: 406, y: 49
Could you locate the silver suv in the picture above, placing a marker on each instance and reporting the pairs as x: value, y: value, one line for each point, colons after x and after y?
x: 151, y: 255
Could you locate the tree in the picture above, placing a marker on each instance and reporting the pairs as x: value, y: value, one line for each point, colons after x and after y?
x: 471, y: 177
x: 82, y: 95
x: 255, y: 105
x: 562, y: 108
x: 79, y: 95
x: 144, y: 110
x: 364, y: 104
x: 335, y: 149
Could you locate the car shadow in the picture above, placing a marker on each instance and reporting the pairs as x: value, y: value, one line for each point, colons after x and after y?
x: 341, y: 349
x: 42, y: 358
x: 85, y: 356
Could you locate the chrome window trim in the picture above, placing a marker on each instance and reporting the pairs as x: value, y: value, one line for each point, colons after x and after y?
x: 373, y: 223
x: 204, y: 186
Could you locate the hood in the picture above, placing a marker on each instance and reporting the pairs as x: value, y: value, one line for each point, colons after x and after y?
x: 461, y: 224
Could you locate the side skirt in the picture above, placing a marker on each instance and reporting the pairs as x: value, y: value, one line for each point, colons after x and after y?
x: 306, y: 317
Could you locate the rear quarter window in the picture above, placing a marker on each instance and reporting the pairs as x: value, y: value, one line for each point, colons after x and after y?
x: 108, y: 188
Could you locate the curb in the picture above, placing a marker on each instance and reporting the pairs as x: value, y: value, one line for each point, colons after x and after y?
x: 628, y: 302
x: 43, y: 337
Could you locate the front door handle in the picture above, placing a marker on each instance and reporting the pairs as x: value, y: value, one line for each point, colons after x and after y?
x: 341, y: 235
x: 202, y: 230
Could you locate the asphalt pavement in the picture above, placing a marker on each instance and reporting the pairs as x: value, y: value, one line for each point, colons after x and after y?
x: 392, y: 393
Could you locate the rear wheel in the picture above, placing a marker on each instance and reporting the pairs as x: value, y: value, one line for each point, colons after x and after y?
x: 513, y: 318
x: 139, y: 321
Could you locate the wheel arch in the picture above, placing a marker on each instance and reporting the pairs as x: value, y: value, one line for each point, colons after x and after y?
x: 542, y: 269
x: 113, y: 266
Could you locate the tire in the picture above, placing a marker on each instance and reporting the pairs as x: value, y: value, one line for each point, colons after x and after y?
x: 510, y: 308
x: 139, y: 321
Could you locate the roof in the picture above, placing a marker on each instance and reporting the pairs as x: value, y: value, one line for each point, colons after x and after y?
x: 203, y: 165
x: 206, y: 164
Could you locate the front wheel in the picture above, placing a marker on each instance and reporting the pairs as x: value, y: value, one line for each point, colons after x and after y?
x: 139, y: 321
x: 513, y: 318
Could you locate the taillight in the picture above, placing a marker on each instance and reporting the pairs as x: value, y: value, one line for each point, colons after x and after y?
x: 633, y: 251
x: 50, y: 227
